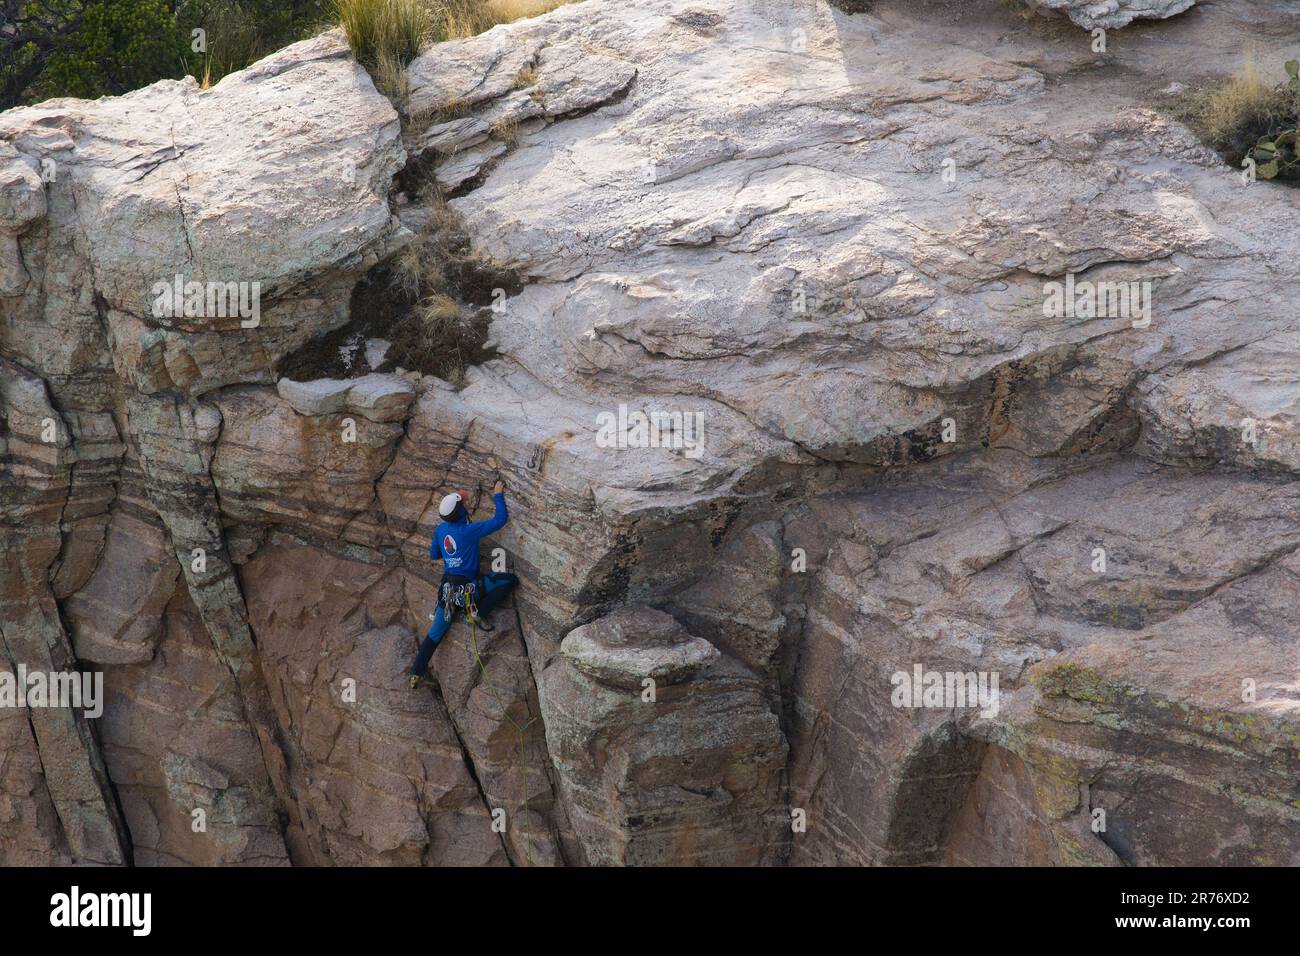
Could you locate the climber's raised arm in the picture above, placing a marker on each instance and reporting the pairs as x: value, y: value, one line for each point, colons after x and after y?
x: 501, y: 515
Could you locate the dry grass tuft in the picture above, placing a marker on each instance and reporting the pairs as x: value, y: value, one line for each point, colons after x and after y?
x: 525, y: 78
x: 390, y: 77
x: 458, y: 19
x: 507, y: 131
x: 385, y: 35
x: 1234, y: 116
x: 1245, y: 100
x: 385, y: 31
x: 438, y: 290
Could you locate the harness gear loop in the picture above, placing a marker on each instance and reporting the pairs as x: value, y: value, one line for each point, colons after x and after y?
x: 454, y: 597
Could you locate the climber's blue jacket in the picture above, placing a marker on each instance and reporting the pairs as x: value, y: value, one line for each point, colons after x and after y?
x: 456, y: 545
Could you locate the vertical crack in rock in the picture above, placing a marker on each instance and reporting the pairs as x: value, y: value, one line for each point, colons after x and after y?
x: 37, y: 457
x: 176, y: 467
x: 468, y: 758
x: 487, y: 682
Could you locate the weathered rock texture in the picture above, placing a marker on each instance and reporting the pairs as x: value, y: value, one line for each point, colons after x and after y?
x: 817, y: 244
x: 1109, y: 14
x: 667, y: 752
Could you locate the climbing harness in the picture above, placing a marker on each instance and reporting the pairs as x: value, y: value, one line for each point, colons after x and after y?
x: 461, y: 596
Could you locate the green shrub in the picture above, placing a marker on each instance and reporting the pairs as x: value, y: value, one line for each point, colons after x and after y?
x: 85, y: 48
x: 1249, y: 117
x: 1278, y: 156
x: 92, y: 48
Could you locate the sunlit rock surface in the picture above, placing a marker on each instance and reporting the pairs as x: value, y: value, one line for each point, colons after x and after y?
x: 823, y: 269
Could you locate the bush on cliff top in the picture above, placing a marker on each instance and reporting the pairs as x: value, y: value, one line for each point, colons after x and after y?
x: 396, y: 30
x: 378, y: 30
x: 1240, y: 116
x: 92, y: 48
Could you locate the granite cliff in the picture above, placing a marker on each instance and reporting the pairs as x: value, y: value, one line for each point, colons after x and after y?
x: 823, y: 237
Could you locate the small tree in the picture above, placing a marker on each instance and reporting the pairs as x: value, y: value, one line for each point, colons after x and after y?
x: 120, y: 46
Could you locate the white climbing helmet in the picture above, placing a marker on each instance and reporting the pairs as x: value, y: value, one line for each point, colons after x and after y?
x: 447, y: 507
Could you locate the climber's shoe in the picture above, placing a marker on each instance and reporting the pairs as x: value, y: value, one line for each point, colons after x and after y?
x: 479, y: 621
x: 417, y: 680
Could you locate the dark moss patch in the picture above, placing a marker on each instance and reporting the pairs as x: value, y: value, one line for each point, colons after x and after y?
x: 418, y: 173
x: 701, y: 20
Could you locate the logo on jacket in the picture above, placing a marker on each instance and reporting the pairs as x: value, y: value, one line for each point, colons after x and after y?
x: 448, y: 544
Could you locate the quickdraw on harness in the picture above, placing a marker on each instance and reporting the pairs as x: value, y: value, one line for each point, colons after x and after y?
x: 461, y: 596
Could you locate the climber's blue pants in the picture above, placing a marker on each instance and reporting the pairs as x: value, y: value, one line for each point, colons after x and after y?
x: 490, y: 591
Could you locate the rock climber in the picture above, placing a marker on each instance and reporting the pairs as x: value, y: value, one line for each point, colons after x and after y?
x: 455, y: 543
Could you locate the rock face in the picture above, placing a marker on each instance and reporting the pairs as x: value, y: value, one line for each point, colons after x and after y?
x: 921, y: 567
x: 384, y: 780
x: 176, y: 743
x: 1000, y: 580
x: 667, y: 753
x: 1111, y: 14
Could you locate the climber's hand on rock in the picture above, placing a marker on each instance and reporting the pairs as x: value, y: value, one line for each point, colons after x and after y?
x: 499, y: 487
